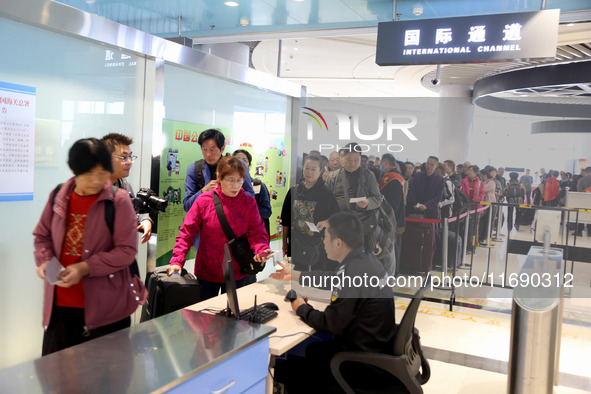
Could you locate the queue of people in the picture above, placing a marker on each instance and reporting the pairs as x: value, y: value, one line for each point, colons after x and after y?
x: 346, y: 211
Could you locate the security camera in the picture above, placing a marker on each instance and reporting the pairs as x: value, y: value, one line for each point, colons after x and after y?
x: 435, y: 81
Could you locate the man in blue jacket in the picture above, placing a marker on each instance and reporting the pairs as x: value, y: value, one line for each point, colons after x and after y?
x: 201, y: 175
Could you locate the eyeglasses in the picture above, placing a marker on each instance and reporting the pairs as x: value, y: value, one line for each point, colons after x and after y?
x: 234, y: 182
x: 125, y: 158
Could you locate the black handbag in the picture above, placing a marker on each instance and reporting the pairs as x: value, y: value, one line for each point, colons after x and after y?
x: 239, y: 246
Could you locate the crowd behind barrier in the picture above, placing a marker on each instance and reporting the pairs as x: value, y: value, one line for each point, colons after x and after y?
x: 413, y: 216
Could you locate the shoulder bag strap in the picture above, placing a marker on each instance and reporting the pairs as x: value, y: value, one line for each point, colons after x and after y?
x: 222, y: 218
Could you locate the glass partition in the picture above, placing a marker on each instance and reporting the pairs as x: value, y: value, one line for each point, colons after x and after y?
x: 83, y: 89
x: 251, y: 119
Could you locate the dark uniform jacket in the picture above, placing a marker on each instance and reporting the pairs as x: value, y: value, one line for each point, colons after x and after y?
x: 359, y: 318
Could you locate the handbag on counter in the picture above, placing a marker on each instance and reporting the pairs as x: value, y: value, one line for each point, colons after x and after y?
x: 239, y: 246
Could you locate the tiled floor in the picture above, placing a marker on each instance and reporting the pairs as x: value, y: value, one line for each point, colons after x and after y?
x: 469, y: 347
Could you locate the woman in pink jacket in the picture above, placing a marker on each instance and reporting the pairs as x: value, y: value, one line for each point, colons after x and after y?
x: 243, y: 216
x: 96, y: 292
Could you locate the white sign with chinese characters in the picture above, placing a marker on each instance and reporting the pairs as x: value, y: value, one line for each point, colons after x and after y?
x: 17, y: 141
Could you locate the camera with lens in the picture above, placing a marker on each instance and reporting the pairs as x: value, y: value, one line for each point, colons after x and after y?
x: 146, y: 201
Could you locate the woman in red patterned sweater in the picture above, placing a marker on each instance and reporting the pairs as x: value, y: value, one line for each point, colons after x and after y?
x: 95, y: 293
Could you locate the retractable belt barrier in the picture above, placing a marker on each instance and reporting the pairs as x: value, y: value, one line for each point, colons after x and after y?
x: 467, y: 216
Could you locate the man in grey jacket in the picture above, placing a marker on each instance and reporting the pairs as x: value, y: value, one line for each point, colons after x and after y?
x: 123, y: 159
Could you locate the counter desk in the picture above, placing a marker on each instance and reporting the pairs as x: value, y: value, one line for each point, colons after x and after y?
x: 184, y: 351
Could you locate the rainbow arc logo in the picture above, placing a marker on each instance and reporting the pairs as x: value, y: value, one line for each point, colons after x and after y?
x: 316, y: 117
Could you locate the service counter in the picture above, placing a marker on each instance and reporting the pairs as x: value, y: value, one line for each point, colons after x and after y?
x: 184, y: 351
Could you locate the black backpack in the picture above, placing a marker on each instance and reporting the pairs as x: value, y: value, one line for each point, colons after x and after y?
x: 514, y: 193
x: 134, y: 269
x: 460, y: 200
x: 199, y: 179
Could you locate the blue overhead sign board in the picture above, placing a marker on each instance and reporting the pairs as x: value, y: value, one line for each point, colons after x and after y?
x: 470, y: 39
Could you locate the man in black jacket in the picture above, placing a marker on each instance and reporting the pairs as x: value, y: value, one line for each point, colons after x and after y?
x: 360, y: 316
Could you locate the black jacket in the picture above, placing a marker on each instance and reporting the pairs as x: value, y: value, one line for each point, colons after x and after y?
x: 359, y: 318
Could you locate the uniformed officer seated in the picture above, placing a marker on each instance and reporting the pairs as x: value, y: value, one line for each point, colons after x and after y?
x: 360, y: 316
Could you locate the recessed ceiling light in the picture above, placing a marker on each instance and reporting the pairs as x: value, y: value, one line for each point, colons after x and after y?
x: 231, y: 3
x: 570, y: 25
x: 299, y: 1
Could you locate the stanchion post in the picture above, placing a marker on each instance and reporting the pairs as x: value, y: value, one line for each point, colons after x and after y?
x: 465, y: 248
x: 499, y: 222
x: 489, y: 228
x: 444, y: 249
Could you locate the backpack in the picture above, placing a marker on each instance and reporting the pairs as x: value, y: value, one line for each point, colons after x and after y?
x: 514, y: 193
x: 199, y: 179
x: 460, y: 200
x: 379, y: 227
x: 134, y: 269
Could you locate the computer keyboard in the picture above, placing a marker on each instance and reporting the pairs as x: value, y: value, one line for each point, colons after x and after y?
x: 262, y: 315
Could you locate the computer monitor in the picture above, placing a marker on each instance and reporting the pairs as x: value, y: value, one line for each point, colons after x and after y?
x: 228, y: 269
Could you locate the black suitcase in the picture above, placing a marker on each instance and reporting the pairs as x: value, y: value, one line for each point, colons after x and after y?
x: 169, y: 293
x: 454, y: 249
x: 525, y: 216
x: 418, y: 247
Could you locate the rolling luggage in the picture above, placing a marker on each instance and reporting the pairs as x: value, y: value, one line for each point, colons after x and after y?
x: 454, y: 249
x: 169, y: 293
x: 525, y: 216
x: 418, y: 247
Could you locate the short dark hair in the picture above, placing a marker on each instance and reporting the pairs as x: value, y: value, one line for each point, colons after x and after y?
x: 365, y: 157
x: 351, y: 147
x: 112, y: 140
x: 389, y: 158
x: 347, y: 227
x: 248, y: 155
x: 86, y: 154
x: 313, y: 158
x: 214, y: 134
x: 474, y: 168
x: 434, y: 158
x: 228, y: 165
x: 450, y: 163
x: 513, y: 175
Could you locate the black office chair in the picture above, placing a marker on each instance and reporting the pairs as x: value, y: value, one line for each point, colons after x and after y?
x: 407, y: 364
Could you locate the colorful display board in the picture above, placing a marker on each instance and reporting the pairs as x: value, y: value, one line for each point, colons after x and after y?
x: 270, y: 163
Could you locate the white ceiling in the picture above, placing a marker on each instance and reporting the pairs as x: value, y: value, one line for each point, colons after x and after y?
x: 344, y: 66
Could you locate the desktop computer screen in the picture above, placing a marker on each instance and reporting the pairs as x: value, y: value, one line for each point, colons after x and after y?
x: 233, y: 309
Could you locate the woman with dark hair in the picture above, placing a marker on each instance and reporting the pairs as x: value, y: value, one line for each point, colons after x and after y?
x: 242, y: 214
x: 95, y: 292
x: 261, y: 193
x: 310, y: 201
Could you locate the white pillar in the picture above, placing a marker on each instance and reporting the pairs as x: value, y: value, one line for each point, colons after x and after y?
x: 455, y: 122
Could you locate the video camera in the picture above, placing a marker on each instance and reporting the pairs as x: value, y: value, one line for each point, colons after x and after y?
x: 146, y: 201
